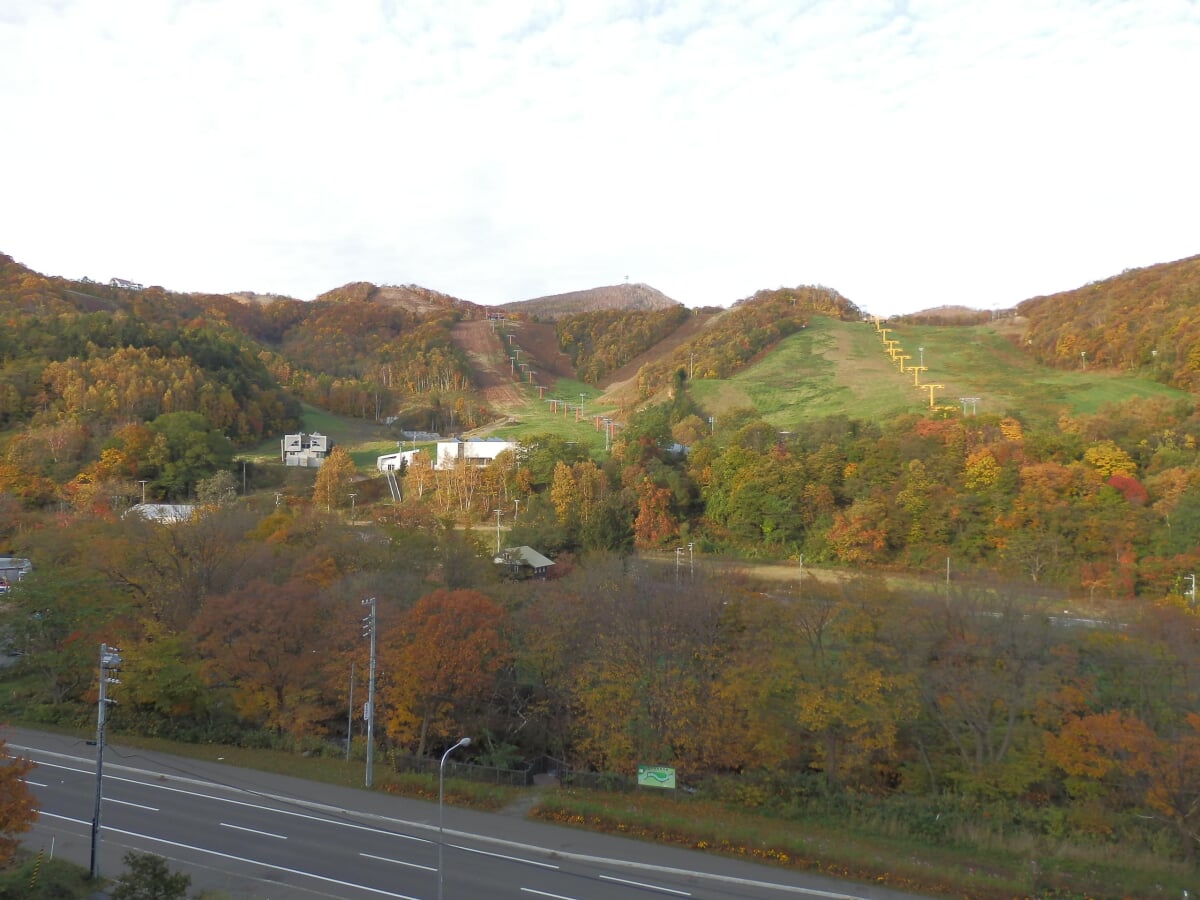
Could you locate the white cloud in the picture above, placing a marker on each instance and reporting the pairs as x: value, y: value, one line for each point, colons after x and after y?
x: 908, y: 154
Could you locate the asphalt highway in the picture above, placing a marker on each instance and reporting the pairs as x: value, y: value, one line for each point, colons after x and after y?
x: 254, y: 835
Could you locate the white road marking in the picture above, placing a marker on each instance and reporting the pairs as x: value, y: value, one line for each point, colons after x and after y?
x: 399, y: 862
x: 642, y: 884
x: 127, y: 803
x: 278, y: 837
x: 516, y: 859
x: 255, y: 806
x: 45, y: 815
x: 258, y: 862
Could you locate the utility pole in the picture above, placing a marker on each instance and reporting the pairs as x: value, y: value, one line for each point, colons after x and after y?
x: 350, y: 714
x: 369, y: 711
x: 499, y: 513
x: 109, y: 660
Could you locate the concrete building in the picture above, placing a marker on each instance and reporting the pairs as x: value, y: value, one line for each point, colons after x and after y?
x: 474, y: 452
x: 392, y: 461
x: 305, y: 450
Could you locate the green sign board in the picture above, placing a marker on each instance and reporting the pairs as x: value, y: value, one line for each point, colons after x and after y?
x: 656, y: 776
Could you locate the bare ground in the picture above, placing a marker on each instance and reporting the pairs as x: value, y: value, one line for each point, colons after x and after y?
x: 540, y: 341
x: 488, y: 362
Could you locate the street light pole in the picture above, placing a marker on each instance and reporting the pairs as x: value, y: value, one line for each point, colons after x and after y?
x: 108, y: 660
x: 369, y: 631
x: 142, y: 482
x: 463, y: 742
x: 350, y: 714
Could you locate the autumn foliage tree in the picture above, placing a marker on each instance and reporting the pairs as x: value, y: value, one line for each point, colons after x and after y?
x: 18, y: 807
x: 440, y: 663
x: 337, y: 473
x: 268, y: 646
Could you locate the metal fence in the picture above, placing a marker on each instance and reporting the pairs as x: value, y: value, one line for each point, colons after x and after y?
x: 466, y: 771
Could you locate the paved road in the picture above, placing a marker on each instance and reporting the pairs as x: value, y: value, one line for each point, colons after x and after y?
x: 267, y: 837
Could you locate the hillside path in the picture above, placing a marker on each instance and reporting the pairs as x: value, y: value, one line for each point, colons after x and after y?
x: 619, y: 380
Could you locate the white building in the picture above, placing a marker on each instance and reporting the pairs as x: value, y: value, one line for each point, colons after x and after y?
x: 474, y: 452
x: 394, y: 460
x: 162, y: 513
x: 307, y: 450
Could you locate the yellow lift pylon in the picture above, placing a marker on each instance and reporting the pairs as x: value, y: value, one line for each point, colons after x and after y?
x: 900, y: 358
x: 932, y: 388
x: 917, y: 370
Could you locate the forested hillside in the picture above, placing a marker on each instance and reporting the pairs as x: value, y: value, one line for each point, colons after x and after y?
x: 81, y: 363
x: 1024, y: 655
x: 752, y: 326
x: 600, y: 342
x: 1146, y: 320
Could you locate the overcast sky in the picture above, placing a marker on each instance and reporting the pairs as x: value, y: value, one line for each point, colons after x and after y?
x: 908, y: 154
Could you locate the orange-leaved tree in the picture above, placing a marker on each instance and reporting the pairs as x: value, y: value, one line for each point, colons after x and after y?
x: 1135, y: 767
x: 265, y: 644
x: 18, y: 808
x: 439, y: 665
x: 331, y: 489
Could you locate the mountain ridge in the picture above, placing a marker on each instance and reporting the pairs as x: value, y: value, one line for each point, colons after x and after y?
x: 626, y: 296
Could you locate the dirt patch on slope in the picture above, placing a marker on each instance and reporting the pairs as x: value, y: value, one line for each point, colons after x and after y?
x: 489, y: 364
x: 539, y: 341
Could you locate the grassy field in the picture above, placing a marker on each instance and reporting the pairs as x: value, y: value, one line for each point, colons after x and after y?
x: 835, y: 367
x: 535, y: 416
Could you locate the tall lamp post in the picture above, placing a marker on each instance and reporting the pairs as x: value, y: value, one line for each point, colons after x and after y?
x: 464, y: 742
x: 109, y: 660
